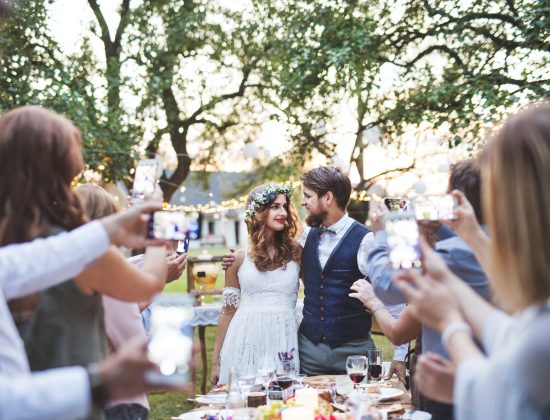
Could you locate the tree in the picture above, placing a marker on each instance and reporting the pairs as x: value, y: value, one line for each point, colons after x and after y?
x: 468, y: 64
x: 36, y: 71
x: 196, y: 62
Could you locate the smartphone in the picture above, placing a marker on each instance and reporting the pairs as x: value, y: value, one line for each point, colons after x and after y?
x: 183, y: 246
x: 396, y: 204
x: 145, y: 178
x: 403, y: 240
x: 171, y: 225
x: 171, y: 339
x: 435, y: 207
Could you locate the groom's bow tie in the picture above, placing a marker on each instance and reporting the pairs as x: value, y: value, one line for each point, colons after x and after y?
x: 323, y: 230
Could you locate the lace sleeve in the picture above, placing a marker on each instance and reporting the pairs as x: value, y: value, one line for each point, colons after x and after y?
x: 231, y: 296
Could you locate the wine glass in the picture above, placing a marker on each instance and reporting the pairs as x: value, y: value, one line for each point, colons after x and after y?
x: 357, y: 367
x: 376, y: 370
x: 266, y: 371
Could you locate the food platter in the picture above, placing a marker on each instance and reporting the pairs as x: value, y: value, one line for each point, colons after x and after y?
x: 321, y: 382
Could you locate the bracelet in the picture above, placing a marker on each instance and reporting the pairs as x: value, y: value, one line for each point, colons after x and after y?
x: 451, y: 329
x: 377, y: 309
x: 97, y: 386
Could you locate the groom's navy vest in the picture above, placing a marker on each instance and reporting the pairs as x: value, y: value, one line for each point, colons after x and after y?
x: 330, y: 315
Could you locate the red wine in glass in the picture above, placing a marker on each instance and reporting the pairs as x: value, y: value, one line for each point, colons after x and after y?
x: 375, y: 371
x: 357, y: 377
x: 284, y: 381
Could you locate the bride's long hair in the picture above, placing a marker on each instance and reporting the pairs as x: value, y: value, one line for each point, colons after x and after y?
x: 284, y: 241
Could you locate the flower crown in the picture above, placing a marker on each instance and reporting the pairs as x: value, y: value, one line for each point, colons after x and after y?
x: 268, y: 195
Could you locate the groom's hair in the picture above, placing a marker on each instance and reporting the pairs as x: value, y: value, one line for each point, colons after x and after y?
x: 329, y: 178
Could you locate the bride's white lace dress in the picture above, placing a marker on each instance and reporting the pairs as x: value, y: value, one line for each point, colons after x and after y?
x: 264, y: 323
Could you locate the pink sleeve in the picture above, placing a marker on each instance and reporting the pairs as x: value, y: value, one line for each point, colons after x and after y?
x: 122, y: 321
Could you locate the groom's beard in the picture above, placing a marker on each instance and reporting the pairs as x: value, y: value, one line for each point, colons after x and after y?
x: 316, y: 220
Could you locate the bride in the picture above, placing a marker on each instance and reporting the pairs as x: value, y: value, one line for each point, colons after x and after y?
x: 257, y: 322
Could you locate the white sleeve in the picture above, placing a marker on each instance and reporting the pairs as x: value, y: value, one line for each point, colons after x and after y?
x: 495, y: 331
x: 30, y: 267
x: 483, y: 390
x: 399, y: 352
x: 53, y: 394
x: 367, y: 244
x: 303, y: 236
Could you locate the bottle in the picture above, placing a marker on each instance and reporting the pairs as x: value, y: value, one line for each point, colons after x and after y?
x: 234, y: 398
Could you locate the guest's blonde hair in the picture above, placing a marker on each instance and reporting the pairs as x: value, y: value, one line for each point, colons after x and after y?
x: 516, y: 201
x: 97, y: 202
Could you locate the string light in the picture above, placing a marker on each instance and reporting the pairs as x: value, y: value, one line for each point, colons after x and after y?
x: 240, y: 202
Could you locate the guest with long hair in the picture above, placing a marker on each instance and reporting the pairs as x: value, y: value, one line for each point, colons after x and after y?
x: 39, y: 158
x: 511, y: 380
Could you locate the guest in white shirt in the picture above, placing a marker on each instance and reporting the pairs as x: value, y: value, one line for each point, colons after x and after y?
x: 65, y: 393
x: 510, y: 381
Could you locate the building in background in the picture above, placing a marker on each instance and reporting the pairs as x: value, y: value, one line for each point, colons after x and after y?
x: 219, y: 228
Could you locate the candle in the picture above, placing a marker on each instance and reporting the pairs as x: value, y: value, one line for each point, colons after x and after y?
x: 297, y: 413
x: 307, y: 397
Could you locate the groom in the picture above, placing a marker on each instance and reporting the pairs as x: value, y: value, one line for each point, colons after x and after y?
x: 335, y: 250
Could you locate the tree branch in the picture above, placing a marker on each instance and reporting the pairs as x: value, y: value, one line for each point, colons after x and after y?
x: 105, y: 35
x: 124, y: 15
x: 215, y: 101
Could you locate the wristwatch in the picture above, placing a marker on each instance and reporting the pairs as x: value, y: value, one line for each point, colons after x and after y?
x: 97, y: 386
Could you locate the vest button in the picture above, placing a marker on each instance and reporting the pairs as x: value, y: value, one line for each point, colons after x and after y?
x: 322, y: 276
x: 322, y: 287
x: 321, y: 297
x: 322, y: 308
x: 322, y: 318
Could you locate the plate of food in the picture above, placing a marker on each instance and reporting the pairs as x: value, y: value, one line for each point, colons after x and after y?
x: 384, y: 393
x: 200, y: 415
x: 214, y: 399
x: 322, y: 381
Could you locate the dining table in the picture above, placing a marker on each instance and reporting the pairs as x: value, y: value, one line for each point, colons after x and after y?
x: 394, y: 396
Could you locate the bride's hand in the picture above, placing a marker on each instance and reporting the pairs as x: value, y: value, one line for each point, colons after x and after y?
x: 215, y: 374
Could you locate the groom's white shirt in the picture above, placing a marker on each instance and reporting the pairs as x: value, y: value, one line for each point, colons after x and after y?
x: 329, y: 241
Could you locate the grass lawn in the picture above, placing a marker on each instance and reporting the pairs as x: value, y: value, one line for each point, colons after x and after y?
x: 167, y: 404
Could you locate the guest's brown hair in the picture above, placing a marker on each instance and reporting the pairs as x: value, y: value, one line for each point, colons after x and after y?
x: 284, y: 242
x: 97, y: 202
x: 516, y: 201
x: 39, y: 157
x: 466, y: 177
x: 329, y: 178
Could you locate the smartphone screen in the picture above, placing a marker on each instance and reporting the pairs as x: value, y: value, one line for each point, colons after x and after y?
x: 171, y: 340
x: 145, y: 178
x: 171, y: 225
x: 396, y: 204
x: 435, y: 207
x: 403, y: 240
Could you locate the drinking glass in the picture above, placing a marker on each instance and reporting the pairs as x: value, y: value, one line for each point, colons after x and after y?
x: 266, y: 371
x: 376, y: 369
x: 357, y: 366
x: 246, y: 382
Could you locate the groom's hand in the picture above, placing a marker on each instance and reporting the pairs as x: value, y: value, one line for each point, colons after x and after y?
x: 400, y: 369
x: 228, y: 259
